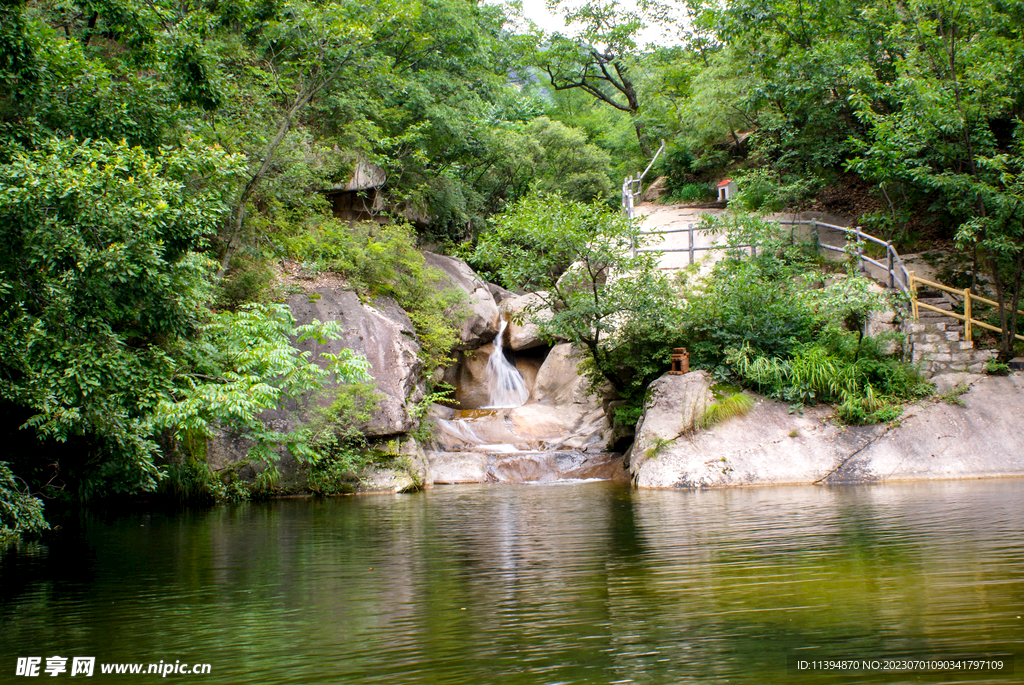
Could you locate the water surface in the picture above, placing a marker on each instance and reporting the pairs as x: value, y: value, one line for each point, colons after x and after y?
x: 564, y: 583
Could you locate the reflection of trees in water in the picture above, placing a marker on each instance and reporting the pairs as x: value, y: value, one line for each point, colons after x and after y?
x: 589, y: 583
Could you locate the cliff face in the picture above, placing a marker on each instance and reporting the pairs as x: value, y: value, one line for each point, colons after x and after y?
x: 932, y: 440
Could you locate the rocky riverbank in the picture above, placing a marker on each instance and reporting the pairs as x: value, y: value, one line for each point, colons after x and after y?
x: 560, y: 432
x: 933, y: 439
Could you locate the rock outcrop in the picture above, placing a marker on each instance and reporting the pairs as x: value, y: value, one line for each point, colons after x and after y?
x: 500, y: 294
x: 522, y: 333
x: 770, y: 445
x: 559, y: 417
x: 482, y: 324
x: 380, y: 331
x: 673, y: 406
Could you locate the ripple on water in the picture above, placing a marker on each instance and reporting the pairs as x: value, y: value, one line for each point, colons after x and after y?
x: 566, y: 582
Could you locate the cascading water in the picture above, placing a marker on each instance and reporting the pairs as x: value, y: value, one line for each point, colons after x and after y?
x: 506, y: 387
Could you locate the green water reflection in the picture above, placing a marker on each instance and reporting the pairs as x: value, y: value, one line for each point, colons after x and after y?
x: 581, y: 583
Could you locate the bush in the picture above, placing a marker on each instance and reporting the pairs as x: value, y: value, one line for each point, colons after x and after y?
x: 772, y: 323
x: 766, y: 190
x: 383, y: 260
x: 690, y: 192
x: 20, y: 512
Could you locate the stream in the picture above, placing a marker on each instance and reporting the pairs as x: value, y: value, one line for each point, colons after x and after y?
x: 579, y: 582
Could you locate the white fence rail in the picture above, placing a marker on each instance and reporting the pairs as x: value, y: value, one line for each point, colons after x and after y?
x: 896, y: 274
x: 632, y: 188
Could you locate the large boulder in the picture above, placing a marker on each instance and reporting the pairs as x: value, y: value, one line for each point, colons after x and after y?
x: 522, y: 333
x: 771, y: 445
x: 656, y: 189
x: 482, y: 324
x: 674, y: 405
x: 500, y: 294
x: 380, y: 331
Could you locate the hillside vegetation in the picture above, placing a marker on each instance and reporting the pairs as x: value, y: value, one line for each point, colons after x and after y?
x: 159, y: 160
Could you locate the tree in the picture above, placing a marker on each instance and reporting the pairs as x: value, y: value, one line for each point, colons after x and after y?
x: 106, y: 338
x: 599, y: 61
x: 950, y: 125
x: 602, y: 296
x: 101, y: 272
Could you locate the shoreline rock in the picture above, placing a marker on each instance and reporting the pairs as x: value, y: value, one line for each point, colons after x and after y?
x: 933, y: 440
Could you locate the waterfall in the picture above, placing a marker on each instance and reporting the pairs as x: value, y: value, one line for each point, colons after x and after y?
x: 505, y: 385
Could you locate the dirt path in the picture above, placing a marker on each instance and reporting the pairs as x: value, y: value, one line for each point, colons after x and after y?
x: 677, y: 217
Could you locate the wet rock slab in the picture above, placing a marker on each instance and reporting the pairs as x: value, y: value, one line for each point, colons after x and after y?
x: 525, y: 467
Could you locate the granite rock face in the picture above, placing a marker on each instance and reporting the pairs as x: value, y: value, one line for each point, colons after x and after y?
x: 383, y: 333
x: 525, y: 335
x: 380, y: 331
x: 482, y: 324
x: 933, y: 440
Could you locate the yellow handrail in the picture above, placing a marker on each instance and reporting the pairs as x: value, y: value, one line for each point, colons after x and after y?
x: 966, y: 317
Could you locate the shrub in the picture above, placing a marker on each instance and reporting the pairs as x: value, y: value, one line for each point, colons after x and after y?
x: 20, y: 512
x: 383, y: 260
x: 764, y: 321
x: 690, y: 192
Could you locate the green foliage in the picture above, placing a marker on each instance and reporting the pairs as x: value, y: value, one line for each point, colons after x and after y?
x: 250, y: 280
x: 772, y: 322
x: 340, y: 447
x: 689, y: 192
x: 765, y: 190
x: 100, y: 275
x: 612, y: 304
x: 657, y: 446
x: 995, y: 368
x: 569, y: 165
x: 867, y: 386
x: 725, y: 408
x: 247, y: 362
x: 20, y: 512
x: 383, y: 260
x: 955, y: 395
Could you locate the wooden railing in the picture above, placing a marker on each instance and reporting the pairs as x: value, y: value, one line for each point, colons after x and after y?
x: 967, y: 297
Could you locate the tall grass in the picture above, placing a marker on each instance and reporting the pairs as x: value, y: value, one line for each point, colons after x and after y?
x: 867, y: 386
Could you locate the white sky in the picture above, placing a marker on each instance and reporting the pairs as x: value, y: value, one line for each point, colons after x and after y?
x: 537, y: 11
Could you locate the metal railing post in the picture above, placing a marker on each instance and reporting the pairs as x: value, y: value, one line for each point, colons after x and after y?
x: 860, y: 248
x: 889, y: 255
x: 689, y: 228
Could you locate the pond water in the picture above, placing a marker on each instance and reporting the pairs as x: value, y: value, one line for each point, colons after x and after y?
x: 561, y: 583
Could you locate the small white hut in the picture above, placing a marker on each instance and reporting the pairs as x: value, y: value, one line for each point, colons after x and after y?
x: 726, y: 189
